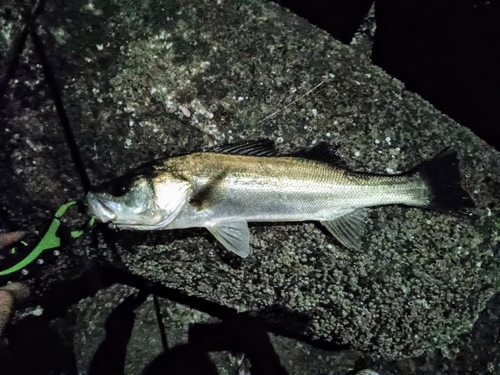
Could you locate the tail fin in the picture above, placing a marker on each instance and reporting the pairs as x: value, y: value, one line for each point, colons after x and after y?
x: 443, y: 178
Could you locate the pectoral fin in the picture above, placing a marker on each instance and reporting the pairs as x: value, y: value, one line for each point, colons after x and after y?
x: 349, y: 228
x: 234, y: 235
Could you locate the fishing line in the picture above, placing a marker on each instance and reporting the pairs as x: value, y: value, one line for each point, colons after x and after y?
x: 295, y: 101
x: 18, y: 47
x: 161, y: 326
x: 68, y: 132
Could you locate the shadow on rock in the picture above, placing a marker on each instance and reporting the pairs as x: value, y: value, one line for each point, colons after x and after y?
x: 110, y: 356
x: 239, y: 334
x: 35, y: 338
x: 36, y: 348
x: 34, y: 345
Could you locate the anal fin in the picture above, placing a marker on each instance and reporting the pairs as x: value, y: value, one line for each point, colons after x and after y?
x: 349, y: 228
x: 234, y: 235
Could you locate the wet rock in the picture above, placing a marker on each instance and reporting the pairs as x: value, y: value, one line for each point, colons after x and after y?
x: 145, y: 339
x: 130, y: 71
x: 93, y: 332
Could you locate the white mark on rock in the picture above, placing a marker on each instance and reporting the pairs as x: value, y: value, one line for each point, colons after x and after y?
x: 38, y: 311
x: 185, y: 111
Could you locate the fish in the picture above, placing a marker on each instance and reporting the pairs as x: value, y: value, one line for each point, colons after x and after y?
x: 225, y: 187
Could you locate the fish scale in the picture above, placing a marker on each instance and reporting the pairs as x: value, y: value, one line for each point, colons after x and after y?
x: 262, y: 189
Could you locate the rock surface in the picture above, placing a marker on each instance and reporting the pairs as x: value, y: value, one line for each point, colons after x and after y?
x: 145, y: 343
x: 141, y: 80
x: 145, y: 340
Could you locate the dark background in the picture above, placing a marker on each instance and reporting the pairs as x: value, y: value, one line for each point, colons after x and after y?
x: 448, y: 52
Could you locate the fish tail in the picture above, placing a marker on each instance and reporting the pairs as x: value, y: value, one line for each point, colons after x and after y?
x: 442, y: 176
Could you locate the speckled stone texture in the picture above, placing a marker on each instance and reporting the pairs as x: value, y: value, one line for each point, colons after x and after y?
x: 145, y: 340
x: 145, y: 343
x: 127, y: 68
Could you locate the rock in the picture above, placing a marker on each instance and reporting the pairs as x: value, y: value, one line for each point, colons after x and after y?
x: 6, y: 308
x: 128, y: 73
x: 93, y: 313
x: 145, y: 340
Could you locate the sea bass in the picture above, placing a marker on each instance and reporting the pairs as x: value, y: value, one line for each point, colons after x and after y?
x: 224, y: 188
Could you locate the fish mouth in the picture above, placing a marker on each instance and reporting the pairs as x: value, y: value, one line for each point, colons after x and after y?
x: 101, y: 208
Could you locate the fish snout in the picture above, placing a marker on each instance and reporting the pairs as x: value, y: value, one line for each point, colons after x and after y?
x: 99, y: 208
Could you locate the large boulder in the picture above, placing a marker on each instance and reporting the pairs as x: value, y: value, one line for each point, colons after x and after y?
x: 144, y: 79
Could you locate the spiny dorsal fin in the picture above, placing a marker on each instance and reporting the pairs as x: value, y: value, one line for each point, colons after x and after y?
x: 259, y: 147
x: 321, y: 152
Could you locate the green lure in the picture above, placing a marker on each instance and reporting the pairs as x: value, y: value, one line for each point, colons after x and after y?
x: 49, y: 241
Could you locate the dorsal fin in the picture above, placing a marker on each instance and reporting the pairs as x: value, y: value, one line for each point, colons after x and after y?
x: 258, y: 147
x: 321, y: 152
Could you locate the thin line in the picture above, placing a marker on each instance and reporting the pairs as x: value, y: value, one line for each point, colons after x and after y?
x: 14, y: 62
x: 296, y: 100
x: 68, y: 133
x: 159, y: 318
x: 18, y: 47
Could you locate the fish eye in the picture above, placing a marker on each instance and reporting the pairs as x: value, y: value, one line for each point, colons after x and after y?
x: 119, y: 189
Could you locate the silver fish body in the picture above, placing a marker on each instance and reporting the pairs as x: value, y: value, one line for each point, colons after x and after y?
x: 247, y: 182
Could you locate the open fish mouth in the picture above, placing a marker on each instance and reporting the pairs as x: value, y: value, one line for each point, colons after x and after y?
x: 101, y: 208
